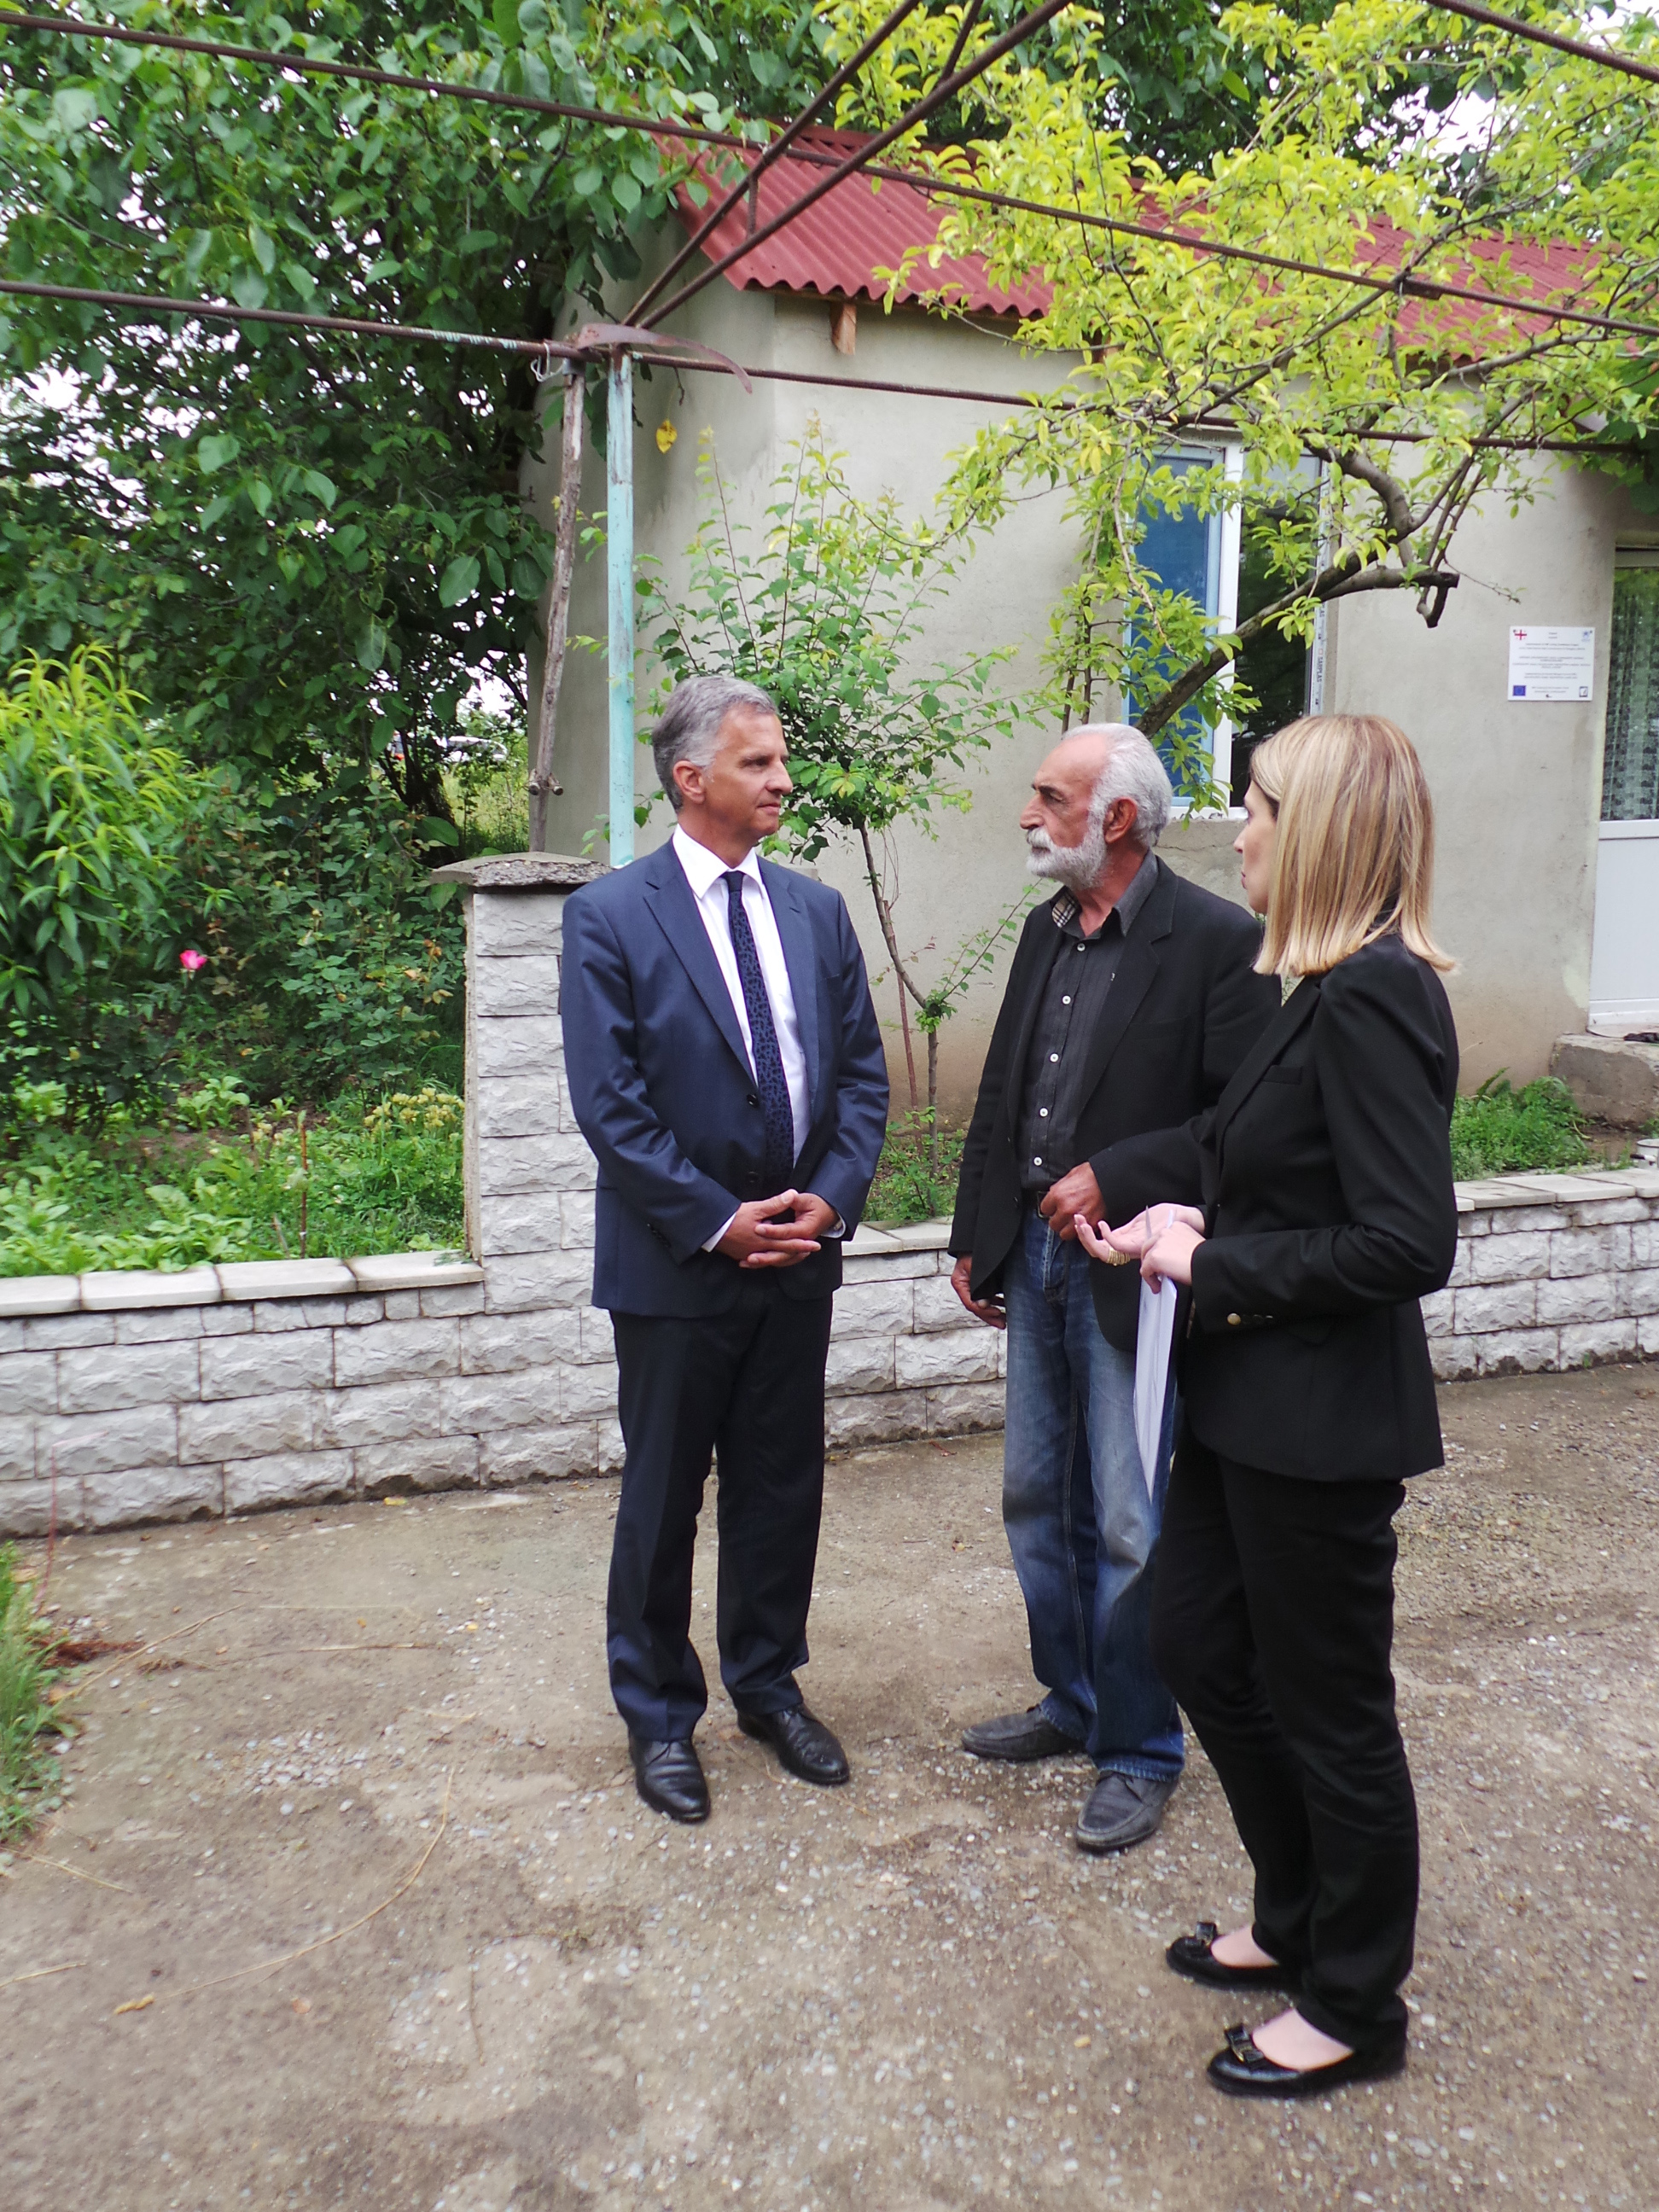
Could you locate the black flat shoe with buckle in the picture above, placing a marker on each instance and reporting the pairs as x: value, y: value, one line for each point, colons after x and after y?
x: 1242, y: 2070
x: 1195, y: 1956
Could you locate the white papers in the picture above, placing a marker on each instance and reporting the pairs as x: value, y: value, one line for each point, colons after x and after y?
x: 1552, y: 660
x: 1152, y: 1342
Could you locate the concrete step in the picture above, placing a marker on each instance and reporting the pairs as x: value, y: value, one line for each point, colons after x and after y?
x: 1612, y: 1080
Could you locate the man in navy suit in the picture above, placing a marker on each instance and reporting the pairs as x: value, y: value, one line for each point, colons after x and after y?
x: 725, y: 1065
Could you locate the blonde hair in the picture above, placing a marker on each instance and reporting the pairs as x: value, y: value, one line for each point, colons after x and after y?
x: 1354, y: 858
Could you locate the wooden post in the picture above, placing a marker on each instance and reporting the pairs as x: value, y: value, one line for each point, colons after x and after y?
x: 544, y: 784
x: 619, y: 551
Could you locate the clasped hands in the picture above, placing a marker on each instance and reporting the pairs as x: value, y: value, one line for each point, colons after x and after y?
x: 1163, y: 1238
x: 756, y: 1237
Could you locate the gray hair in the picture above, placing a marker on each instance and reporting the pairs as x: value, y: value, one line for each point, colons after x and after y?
x: 689, y: 726
x: 1133, y: 770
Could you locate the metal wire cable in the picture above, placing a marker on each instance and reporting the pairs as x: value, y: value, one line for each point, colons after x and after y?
x: 945, y: 89
x: 150, y: 303
x: 772, y: 153
x: 919, y: 180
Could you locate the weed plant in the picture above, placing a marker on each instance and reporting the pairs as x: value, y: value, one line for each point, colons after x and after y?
x: 27, y: 1771
x: 1498, y: 1130
x: 916, y: 1176
x: 372, y: 1177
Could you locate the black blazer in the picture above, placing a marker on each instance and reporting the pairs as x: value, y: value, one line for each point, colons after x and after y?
x: 1325, y: 1174
x: 1184, y: 1008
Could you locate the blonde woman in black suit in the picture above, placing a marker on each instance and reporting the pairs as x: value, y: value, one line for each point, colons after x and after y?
x: 1314, y: 1208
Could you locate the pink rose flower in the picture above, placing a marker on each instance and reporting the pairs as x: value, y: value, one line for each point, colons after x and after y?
x: 190, y: 960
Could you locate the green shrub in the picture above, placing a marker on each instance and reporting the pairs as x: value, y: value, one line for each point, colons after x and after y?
x: 25, y: 1718
x: 371, y: 1177
x: 159, y: 923
x: 1498, y: 1130
x: 92, y: 815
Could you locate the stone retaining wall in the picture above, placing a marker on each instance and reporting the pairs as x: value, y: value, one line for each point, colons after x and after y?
x: 128, y: 1398
x: 1552, y: 1271
x: 155, y: 1397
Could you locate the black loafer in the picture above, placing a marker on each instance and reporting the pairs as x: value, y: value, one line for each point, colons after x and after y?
x: 1242, y: 2070
x: 1194, y: 1956
x: 804, y: 1744
x: 670, y: 1778
x: 1123, y: 1810
x: 1019, y: 1736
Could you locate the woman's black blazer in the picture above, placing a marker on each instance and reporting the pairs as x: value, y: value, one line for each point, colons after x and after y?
x: 1324, y: 1171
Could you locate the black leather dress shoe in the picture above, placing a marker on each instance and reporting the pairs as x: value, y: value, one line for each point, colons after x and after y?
x: 670, y: 1776
x: 1194, y: 1956
x: 1019, y: 1736
x: 1242, y: 2070
x: 804, y: 1744
x: 1123, y: 1810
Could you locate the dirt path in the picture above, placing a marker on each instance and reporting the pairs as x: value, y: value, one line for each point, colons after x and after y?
x: 912, y: 1993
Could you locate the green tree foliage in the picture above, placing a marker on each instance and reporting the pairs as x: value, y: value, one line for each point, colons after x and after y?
x: 1369, y: 424
x: 828, y: 612
x: 304, y: 547
x: 1172, y: 78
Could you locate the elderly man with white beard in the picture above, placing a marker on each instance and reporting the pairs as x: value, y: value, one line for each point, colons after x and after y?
x: 1131, y: 1001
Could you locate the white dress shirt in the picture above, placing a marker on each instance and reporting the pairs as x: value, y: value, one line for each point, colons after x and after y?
x: 706, y: 872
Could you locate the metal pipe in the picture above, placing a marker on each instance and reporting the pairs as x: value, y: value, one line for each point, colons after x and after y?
x: 774, y: 152
x: 156, y: 303
x: 619, y: 576
x: 1604, y: 57
x: 302, y: 65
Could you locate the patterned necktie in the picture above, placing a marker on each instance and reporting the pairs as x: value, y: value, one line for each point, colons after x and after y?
x: 764, y: 1043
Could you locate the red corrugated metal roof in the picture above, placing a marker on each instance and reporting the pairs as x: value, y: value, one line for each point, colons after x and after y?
x: 838, y: 244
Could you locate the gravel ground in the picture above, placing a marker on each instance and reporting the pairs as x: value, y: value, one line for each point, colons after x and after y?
x: 911, y: 1993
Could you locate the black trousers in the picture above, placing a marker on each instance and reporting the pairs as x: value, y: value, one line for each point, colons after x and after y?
x: 1272, y: 1620
x: 745, y: 1387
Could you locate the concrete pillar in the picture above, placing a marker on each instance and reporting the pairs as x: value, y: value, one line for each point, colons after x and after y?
x: 530, y: 1175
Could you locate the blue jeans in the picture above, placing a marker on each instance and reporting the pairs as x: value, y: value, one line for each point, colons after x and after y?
x: 1080, y: 1525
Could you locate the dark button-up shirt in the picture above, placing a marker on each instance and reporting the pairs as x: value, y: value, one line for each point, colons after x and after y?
x: 1072, y: 1000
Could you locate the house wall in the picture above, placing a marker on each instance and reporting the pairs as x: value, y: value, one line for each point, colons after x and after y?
x: 1516, y: 785
x: 949, y: 888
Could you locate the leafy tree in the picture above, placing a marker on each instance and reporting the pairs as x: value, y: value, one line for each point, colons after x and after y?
x: 829, y: 616
x: 304, y: 546
x: 1172, y: 78
x: 1410, y: 409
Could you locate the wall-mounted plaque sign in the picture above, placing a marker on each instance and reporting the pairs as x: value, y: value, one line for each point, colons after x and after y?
x: 1552, y: 660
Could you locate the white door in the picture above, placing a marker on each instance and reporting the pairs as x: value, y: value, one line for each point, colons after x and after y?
x: 1625, y: 945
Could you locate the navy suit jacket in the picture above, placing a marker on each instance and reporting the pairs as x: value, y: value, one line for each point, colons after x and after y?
x: 661, y: 1085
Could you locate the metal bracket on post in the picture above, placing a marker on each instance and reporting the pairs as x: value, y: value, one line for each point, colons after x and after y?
x: 619, y: 564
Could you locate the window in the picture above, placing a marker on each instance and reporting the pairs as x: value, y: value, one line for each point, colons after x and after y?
x: 1221, y: 563
x: 1630, y: 756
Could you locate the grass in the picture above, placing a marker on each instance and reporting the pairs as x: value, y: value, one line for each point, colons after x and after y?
x: 370, y: 1175
x: 27, y: 1771
x: 1499, y: 1130
x: 915, y: 1179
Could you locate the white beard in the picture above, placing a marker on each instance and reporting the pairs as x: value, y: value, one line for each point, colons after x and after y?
x: 1079, y: 866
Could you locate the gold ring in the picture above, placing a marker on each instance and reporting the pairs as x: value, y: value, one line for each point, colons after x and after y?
x: 1117, y: 1259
